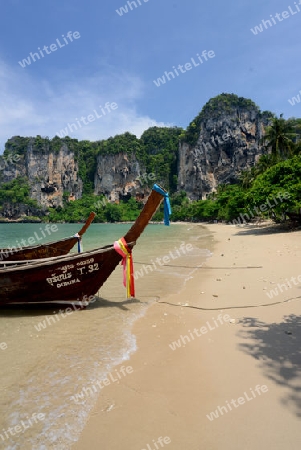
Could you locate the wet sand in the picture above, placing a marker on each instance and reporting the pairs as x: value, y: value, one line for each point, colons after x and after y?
x: 57, y: 364
x: 245, y: 370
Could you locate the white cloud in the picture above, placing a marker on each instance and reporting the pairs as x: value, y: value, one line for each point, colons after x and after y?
x: 31, y: 106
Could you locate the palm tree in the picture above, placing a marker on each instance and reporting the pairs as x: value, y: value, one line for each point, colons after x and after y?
x: 297, y: 127
x: 247, y: 177
x: 265, y: 162
x: 280, y: 137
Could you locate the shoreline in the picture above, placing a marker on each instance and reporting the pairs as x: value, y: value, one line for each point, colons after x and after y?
x: 171, y: 392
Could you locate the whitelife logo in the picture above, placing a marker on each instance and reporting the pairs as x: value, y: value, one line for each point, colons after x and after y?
x: 184, y: 68
x: 295, y: 100
x: 12, y: 158
x: 241, y: 401
x: 124, y: 9
x: 274, y: 292
x: 27, y: 242
x: 3, y: 345
x: 90, y: 391
x: 203, y: 330
x: 262, y: 208
x: 63, y: 313
x: 71, y: 127
x: 144, y: 178
x: 161, y: 440
x: 12, y: 431
x: 53, y: 48
x: 166, y: 259
x: 280, y: 17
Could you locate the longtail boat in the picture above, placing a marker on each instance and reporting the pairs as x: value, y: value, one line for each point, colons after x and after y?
x: 47, y: 250
x: 77, y: 277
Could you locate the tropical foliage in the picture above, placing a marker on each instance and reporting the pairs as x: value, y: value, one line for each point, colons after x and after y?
x: 269, y: 189
x: 279, y: 137
x: 17, y: 191
x: 79, y: 210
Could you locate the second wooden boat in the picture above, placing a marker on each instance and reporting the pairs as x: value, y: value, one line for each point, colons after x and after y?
x: 47, y: 250
x: 75, y: 277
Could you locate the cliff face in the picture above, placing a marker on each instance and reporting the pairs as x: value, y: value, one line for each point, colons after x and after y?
x: 119, y: 177
x: 221, y: 142
x: 19, y: 212
x: 229, y: 141
x: 50, y: 173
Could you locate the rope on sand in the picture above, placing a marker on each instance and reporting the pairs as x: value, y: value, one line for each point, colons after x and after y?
x: 203, y: 267
x: 233, y: 307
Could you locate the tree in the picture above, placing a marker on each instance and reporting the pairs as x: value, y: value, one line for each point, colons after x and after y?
x: 280, y: 137
x: 160, y: 146
x: 280, y: 186
x: 113, y: 212
x: 247, y: 177
x: 264, y: 163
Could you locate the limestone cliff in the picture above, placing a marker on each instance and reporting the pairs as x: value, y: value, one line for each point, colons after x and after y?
x: 222, y: 141
x: 51, y: 173
x: 120, y: 177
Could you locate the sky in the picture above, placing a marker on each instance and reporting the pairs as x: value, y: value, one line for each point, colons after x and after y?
x: 99, y: 66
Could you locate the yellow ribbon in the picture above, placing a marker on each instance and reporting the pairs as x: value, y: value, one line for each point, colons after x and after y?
x: 122, y: 248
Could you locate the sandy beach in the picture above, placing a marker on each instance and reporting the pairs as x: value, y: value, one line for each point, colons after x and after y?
x: 222, y: 372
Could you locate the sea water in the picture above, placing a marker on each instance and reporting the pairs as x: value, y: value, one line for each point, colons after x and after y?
x: 50, y: 359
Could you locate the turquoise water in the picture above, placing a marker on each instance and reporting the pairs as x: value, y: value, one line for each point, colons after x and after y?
x: 44, y: 367
x: 97, y: 235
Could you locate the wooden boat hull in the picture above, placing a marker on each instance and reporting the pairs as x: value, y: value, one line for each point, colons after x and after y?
x: 47, y: 250
x: 67, y: 279
x: 70, y: 278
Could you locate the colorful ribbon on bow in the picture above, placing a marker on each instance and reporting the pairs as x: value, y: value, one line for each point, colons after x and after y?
x: 79, y: 243
x: 167, y: 207
x: 122, y: 248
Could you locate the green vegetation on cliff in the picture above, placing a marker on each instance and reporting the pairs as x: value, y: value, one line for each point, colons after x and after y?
x: 278, y: 171
x: 215, y: 108
x: 161, y: 154
x: 17, y: 191
x: 157, y: 151
x: 270, y: 189
x: 15, y: 196
x: 79, y: 210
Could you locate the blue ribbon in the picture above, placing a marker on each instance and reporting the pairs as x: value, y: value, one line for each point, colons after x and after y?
x: 167, y: 207
x: 79, y: 244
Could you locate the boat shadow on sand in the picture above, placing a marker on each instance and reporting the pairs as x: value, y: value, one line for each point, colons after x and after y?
x: 276, y: 347
x: 32, y: 310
